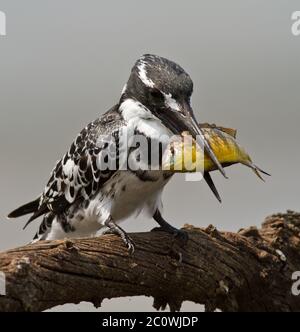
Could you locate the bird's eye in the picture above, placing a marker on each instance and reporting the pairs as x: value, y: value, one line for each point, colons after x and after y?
x: 156, y: 94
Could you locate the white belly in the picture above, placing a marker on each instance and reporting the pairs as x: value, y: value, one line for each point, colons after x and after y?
x: 123, y: 195
x: 133, y: 195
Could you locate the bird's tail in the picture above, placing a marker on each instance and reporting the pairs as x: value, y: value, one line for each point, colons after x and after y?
x: 30, y: 207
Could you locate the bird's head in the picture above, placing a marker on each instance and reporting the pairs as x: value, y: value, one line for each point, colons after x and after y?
x: 165, y: 89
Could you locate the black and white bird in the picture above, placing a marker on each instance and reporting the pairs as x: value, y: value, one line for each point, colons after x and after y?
x: 83, y: 195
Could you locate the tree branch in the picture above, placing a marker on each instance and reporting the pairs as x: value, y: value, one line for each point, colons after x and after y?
x: 246, y: 271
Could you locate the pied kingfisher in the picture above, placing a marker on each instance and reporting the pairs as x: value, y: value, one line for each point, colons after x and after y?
x: 81, y: 195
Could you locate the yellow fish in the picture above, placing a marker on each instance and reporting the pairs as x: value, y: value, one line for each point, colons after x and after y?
x: 185, y: 155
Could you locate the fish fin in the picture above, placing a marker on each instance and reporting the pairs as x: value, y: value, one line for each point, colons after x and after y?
x: 230, y: 131
x: 262, y: 171
x: 257, y: 170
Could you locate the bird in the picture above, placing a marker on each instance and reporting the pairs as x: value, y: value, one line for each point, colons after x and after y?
x: 89, y: 189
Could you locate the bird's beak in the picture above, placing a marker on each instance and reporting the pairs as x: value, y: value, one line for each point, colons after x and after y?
x: 183, y: 119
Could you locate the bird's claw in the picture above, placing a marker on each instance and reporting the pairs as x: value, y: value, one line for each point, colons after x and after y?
x: 125, y: 238
x: 182, y: 235
x: 157, y: 229
x: 110, y: 232
x: 130, y: 245
x: 177, y: 233
x: 128, y: 242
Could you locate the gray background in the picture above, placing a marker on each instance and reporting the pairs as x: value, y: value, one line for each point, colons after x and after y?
x: 63, y: 63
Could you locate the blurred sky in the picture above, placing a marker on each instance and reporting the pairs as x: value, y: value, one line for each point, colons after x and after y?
x: 63, y: 63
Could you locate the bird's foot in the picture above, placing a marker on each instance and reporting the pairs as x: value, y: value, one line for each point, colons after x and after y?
x: 129, y: 243
x: 177, y: 233
x: 109, y: 232
x: 116, y: 230
x: 166, y: 227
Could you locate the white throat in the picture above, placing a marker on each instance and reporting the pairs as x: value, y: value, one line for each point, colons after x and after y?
x: 139, y: 117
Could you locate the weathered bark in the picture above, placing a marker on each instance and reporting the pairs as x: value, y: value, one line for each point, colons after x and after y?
x: 246, y: 271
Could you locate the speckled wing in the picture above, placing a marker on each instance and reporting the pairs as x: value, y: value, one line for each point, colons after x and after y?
x: 79, y: 175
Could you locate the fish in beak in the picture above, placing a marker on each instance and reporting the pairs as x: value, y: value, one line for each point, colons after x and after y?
x: 181, y: 158
x: 180, y: 118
